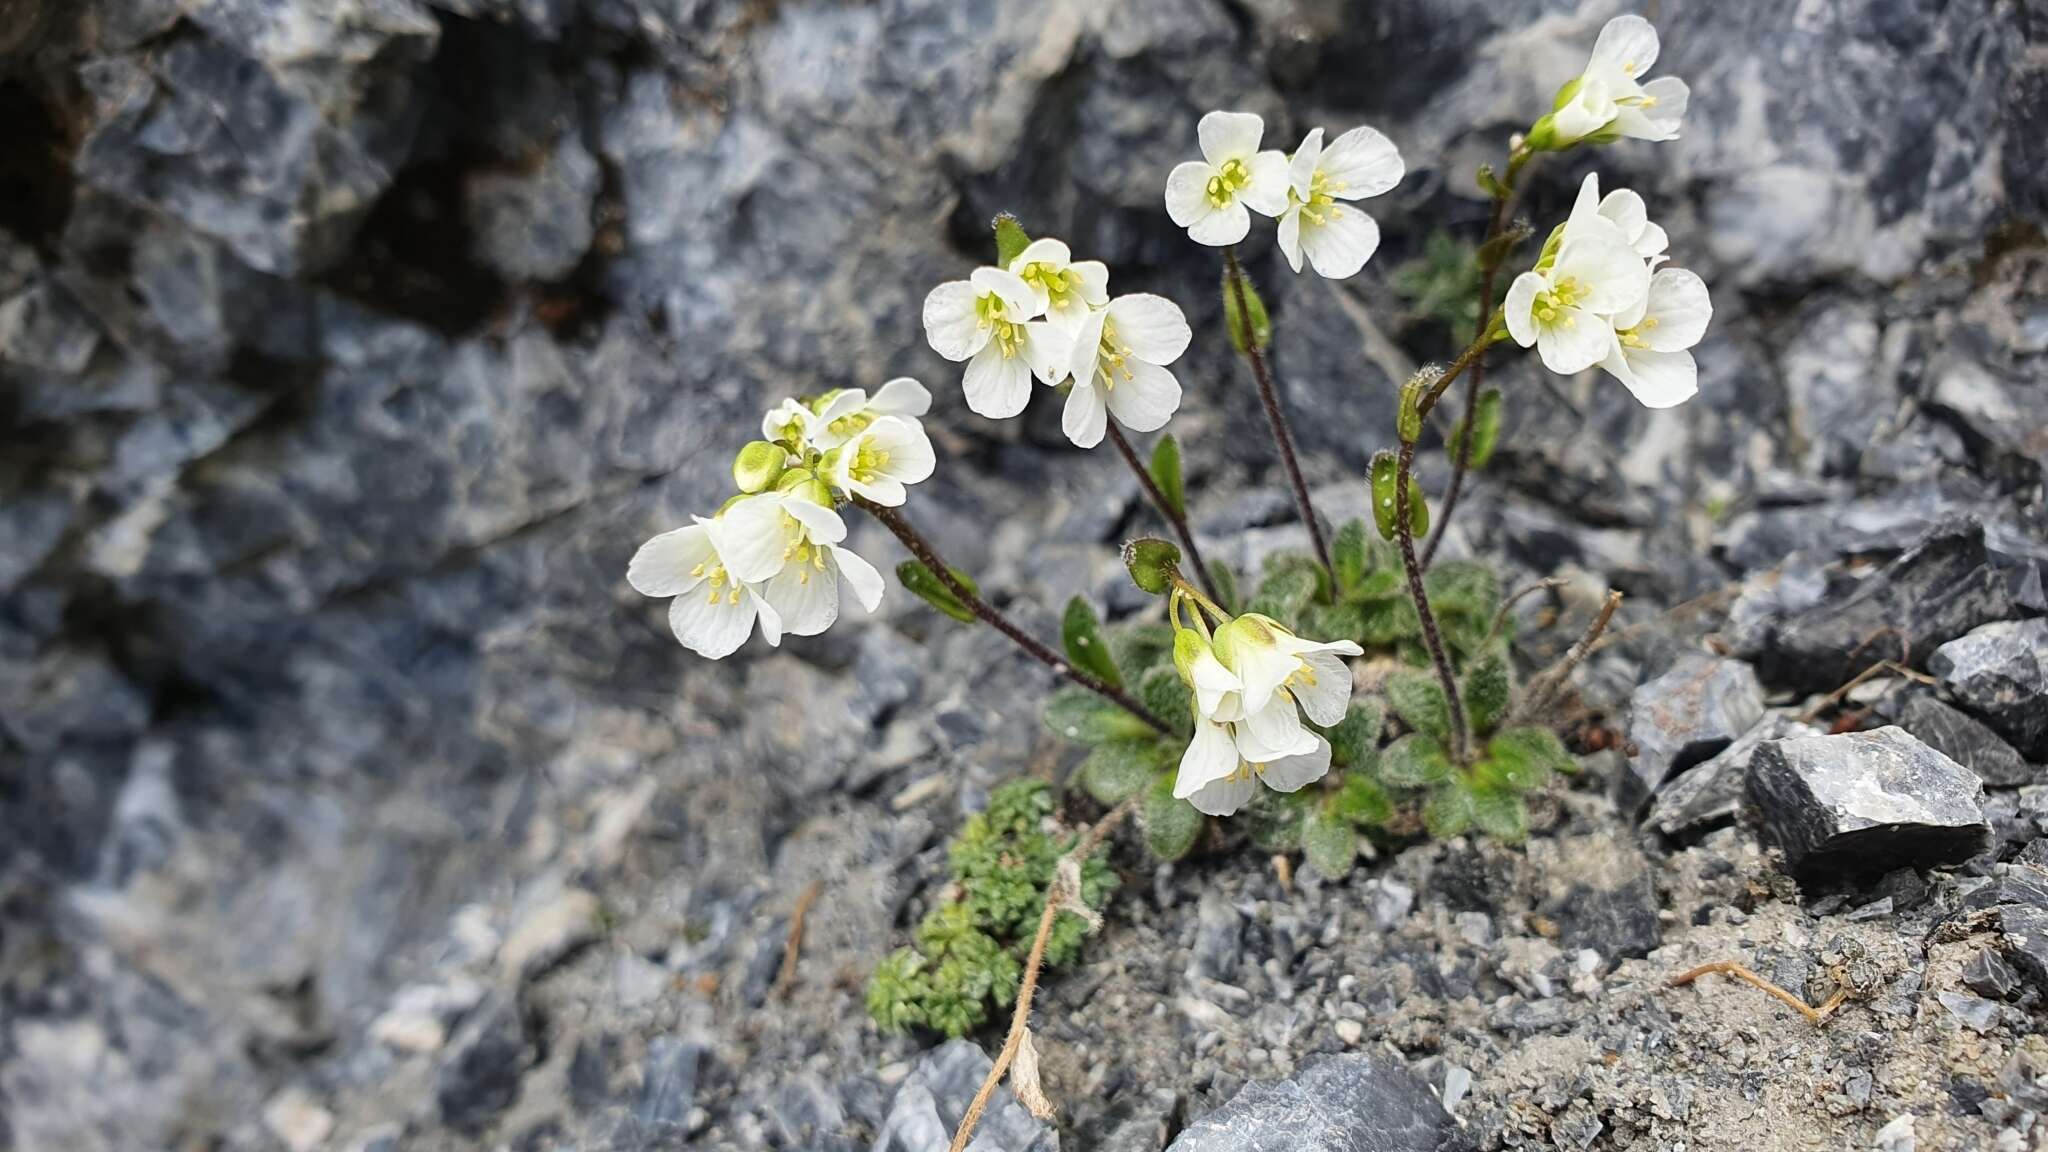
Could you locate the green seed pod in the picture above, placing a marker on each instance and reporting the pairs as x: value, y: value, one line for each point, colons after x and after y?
x: 1153, y: 563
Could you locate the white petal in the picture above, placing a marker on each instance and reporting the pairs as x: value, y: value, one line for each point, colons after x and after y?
x: 1625, y: 207
x: 1612, y: 275
x: 1301, y: 168
x: 1266, y: 193
x: 881, y: 488
x: 1271, y: 732
x: 751, y: 537
x: 997, y: 386
x: 1019, y: 302
x: 662, y: 565
x: 902, y: 396
x: 1627, y: 47
x: 1047, y: 349
x: 822, y: 524
x: 1215, y: 687
x: 1087, y: 347
x: 1662, y: 112
x: 1146, y: 399
x: 1575, y: 342
x: 1187, y: 193
x: 860, y: 576
x: 775, y: 424
x: 1681, y: 307
x: 1588, y: 112
x: 950, y: 325
x: 1521, y: 307
x: 1224, y: 226
x: 1042, y: 251
x: 1585, y: 208
x: 1651, y: 242
x: 910, y: 451
x: 771, y: 622
x: 710, y: 624
x: 1224, y: 797
x: 1151, y: 326
x: 1342, y: 243
x: 1094, y: 281
x: 1293, y: 773
x: 1361, y: 163
x: 1084, y: 419
x: 1211, y: 755
x: 1229, y: 136
x: 1662, y: 379
x: 1328, y: 696
x: 805, y: 597
x: 1290, y: 237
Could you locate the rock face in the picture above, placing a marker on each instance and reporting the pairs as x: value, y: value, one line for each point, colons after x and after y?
x: 2000, y: 672
x: 1692, y: 711
x: 1344, y: 1104
x: 1867, y: 802
x: 1965, y: 740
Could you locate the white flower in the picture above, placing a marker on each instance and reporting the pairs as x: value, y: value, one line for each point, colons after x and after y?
x: 1251, y: 687
x: 1625, y: 211
x: 1563, y: 310
x: 788, y: 423
x: 842, y: 413
x: 1270, y: 662
x: 788, y: 545
x: 1119, y: 364
x: 713, y: 612
x: 1208, y: 197
x: 1611, y: 91
x: 1338, y: 239
x: 1064, y: 287
x: 880, y: 458
x: 989, y: 320
x: 1649, y: 353
x: 1217, y: 779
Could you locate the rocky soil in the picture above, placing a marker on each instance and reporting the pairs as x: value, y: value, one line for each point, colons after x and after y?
x: 349, y: 800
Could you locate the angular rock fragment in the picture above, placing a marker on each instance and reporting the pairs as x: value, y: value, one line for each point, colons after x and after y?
x: 1344, y: 1104
x: 1689, y: 713
x: 1964, y: 739
x: 1866, y: 801
x: 1711, y: 793
x: 2000, y: 672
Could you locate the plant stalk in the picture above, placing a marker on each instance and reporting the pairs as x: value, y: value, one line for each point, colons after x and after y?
x: 1431, y: 637
x: 1275, y: 418
x: 1177, y: 520
x: 921, y: 548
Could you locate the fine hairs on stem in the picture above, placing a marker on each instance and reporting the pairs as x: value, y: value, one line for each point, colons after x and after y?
x: 1275, y: 417
x: 921, y: 548
x: 1175, y: 519
x: 1431, y: 637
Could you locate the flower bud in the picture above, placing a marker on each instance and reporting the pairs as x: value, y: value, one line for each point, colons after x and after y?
x: 806, y: 483
x: 1188, y: 644
x: 1542, y: 136
x: 758, y: 466
x: 1153, y: 564
x: 1011, y: 239
x: 1567, y: 92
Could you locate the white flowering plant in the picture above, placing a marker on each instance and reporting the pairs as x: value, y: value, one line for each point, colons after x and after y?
x: 1233, y: 706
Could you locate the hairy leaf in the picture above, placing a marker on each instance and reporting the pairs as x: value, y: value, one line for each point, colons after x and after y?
x: 1170, y: 825
x: 1081, y: 633
x: 926, y: 586
x: 1414, y: 761
x: 1419, y: 701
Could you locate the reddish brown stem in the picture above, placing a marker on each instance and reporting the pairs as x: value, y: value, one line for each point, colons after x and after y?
x: 1275, y: 417
x: 1177, y: 520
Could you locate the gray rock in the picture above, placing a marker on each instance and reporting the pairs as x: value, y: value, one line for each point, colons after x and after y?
x: 535, y: 225
x: 1711, y: 793
x: 2000, y: 672
x: 1976, y: 1013
x: 929, y: 1103
x: 1692, y: 711
x: 1987, y: 974
x: 1352, y: 1103
x: 668, y: 1088
x: 1963, y: 739
x: 1866, y: 801
x: 480, y: 1078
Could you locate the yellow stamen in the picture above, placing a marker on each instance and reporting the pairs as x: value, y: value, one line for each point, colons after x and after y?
x: 1111, y: 355
x: 1228, y: 181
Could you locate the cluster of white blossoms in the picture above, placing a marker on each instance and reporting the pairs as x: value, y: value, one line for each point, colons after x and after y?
x: 1598, y: 296
x: 1610, y: 99
x: 774, y: 555
x: 1308, y: 192
x: 1253, y: 680
x: 1050, y: 317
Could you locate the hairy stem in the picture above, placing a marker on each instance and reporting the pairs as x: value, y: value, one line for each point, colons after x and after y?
x: 1056, y: 894
x: 1431, y: 638
x: 1177, y: 520
x: 1275, y: 418
x: 921, y: 548
x: 1543, y: 688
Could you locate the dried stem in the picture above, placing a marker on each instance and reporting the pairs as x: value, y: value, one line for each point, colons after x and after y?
x: 1056, y: 895
x: 1276, y: 418
x: 1431, y: 638
x: 1173, y: 517
x: 921, y: 548
x: 1816, y: 1016
x: 1545, y: 685
x: 1500, y: 618
x: 786, y: 979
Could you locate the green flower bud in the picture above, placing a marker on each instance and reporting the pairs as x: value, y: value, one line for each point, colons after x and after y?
x: 1542, y: 136
x: 1011, y: 239
x: 806, y: 483
x: 1187, y: 646
x: 1567, y: 93
x: 818, y: 403
x: 758, y: 466
x: 1153, y: 564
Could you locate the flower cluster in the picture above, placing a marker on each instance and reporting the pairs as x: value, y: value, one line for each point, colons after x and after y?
x: 1253, y: 680
x: 1598, y: 296
x: 1213, y: 197
x: 774, y: 555
x: 1050, y: 316
x: 1610, y: 99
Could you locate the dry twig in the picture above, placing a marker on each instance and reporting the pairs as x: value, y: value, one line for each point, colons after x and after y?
x: 786, y: 978
x: 1544, y: 686
x: 1817, y: 1016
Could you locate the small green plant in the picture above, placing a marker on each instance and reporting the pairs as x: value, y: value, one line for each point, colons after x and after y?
x: 1442, y: 284
x: 969, y: 951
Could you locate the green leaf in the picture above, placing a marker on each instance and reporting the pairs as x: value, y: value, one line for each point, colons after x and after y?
x: 1226, y: 585
x: 1152, y: 563
x: 1330, y: 842
x: 1167, y: 696
x: 1347, y: 554
x: 1166, y: 474
x: 1525, y: 757
x: 1081, y: 633
x: 1362, y: 802
x: 1414, y: 761
x: 1448, y: 811
x: 1418, y: 699
x: 1284, y: 593
x: 1117, y: 770
x: 1380, y: 584
x: 1488, y: 437
x: 1170, y: 825
x: 1355, y: 740
x: 1261, y: 331
x: 1501, y: 815
x: 1273, y: 819
x: 925, y: 586
x: 1389, y: 622
x: 1081, y: 715
x: 1486, y: 689
x: 1011, y: 239
x: 897, y: 990
x: 1139, y: 644
x: 1465, y: 586
x: 1334, y: 622
x: 1385, y: 470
